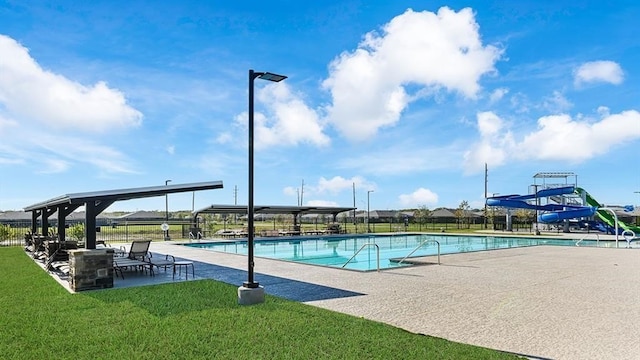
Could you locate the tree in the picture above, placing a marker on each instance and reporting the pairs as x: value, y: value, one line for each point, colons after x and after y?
x: 422, y: 215
x: 462, y: 213
x: 525, y: 216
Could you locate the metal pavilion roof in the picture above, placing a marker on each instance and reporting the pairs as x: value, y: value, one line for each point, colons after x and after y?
x: 97, y: 201
x: 272, y: 209
x: 123, y: 194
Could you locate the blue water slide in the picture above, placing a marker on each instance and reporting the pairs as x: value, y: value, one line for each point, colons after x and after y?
x: 554, y: 212
x: 551, y: 217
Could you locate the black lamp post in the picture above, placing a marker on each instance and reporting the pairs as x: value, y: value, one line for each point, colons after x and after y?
x: 166, y: 212
x: 250, y: 283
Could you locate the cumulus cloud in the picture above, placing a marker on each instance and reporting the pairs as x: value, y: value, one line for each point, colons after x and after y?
x: 52, y: 109
x: 556, y: 137
x: 430, y: 50
x: 493, y: 146
x: 33, y: 94
x: 292, y: 122
x: 559, y: 137
x: 419, y: 197
x: 599, y: 71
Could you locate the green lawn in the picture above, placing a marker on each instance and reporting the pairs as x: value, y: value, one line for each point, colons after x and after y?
x: 188, y: 320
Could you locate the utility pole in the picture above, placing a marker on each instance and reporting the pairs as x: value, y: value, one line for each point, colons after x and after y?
x: 485, y: 195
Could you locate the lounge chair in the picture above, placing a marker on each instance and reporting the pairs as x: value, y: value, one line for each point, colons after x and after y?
x: 139, y: 250
x: 122, y: 264
x: 137, y: 258
x: 161, y: 262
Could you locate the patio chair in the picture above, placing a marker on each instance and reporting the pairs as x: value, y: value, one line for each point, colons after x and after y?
x: 136, y: 258
x: 139, y: 250
x: 159, y: 262
x: 122, y: 264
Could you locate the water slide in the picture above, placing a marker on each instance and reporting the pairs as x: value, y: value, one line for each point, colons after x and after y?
x: 552, y: 212
x: 606, y: 216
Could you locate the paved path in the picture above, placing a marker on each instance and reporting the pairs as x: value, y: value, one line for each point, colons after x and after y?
x: 546, y: 301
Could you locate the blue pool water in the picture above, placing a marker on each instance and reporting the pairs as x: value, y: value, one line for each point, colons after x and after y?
x: 337, y: 251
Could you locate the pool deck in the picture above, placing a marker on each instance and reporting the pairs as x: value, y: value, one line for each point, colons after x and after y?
x: 544, y: 302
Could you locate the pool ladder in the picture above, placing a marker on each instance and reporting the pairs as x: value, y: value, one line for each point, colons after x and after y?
x: 364, y: 246
x: 419, y: 246
x: 597, y: 240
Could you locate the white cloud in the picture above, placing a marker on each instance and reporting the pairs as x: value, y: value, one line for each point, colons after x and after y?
x: 171, y: 149
x: 556, y: 103
x: 338, y: 184
x: 82, y: 151
x: 399, y: 161
x: 599, y: 71
x: 419, y: 197
x: 290, y: 191
x: 431, y: 50
x: 332, y: 186
x: 292, y: 122
x: 493, y: 146
x: 489, y: 123
x: 497, y: 95
x: 322, y: 203
x: 224, y: 138
x: 557, y: 137
x: 32, y: 94
x: 54, y: 166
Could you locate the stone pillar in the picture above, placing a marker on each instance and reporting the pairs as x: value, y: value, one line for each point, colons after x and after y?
x: 90, y: 269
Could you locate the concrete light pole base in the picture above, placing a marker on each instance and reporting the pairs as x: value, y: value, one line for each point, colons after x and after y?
x: 250, y: 296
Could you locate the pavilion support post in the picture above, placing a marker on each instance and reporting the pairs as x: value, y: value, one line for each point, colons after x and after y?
x: 35, y: 214
x: 90, y: 225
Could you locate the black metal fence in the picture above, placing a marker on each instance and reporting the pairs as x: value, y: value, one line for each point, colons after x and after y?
x: 12, y: 234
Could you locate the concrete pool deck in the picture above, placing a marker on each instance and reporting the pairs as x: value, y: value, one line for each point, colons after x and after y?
x: 544, y: 301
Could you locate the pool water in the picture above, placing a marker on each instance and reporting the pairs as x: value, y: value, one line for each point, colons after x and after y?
x: 339, y: 251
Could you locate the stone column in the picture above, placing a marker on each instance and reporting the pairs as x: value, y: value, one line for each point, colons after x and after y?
x: 90, y: 269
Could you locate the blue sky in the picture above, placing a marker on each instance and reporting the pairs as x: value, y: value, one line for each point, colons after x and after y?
x: 409, y: 99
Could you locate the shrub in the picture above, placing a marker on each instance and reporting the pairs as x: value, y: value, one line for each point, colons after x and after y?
x: 76, y: 231
x: 6, y: 232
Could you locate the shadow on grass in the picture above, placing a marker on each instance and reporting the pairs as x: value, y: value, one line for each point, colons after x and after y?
x: 167, y: 299
x: 286, y: 288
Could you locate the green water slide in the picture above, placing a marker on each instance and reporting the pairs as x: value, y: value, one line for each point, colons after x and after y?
x: 606, y: 216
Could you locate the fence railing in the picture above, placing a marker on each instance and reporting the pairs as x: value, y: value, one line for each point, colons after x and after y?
x: 13, y: 234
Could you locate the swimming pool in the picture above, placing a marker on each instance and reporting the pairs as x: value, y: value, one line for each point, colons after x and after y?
x: 340, y: 252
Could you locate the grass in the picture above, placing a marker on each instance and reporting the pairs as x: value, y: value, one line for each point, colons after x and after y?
x: 189, y: 320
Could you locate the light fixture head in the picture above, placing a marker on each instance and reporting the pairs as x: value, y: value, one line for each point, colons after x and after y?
x: 272, y: 77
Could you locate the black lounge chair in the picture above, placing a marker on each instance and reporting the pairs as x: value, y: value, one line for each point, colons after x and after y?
x: 159, y: 262
x: 137, y: 258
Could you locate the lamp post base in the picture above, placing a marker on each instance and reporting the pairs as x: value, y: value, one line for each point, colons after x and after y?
x: 250, y: 295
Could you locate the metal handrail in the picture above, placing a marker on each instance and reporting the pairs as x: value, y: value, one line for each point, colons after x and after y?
x: 419, y: 246
x: 597, y: 240
x: 629, y: 238
x: 363, y: 246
